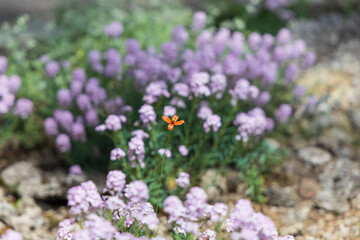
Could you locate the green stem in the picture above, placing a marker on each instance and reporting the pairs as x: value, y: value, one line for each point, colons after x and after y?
x: 188, y: 129
x: 162, y: 167
x: 222, y: 132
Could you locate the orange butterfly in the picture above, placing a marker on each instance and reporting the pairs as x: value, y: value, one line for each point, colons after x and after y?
x: 172, y: 122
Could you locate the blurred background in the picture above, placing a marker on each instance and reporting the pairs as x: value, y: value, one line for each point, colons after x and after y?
x: 308, y: 183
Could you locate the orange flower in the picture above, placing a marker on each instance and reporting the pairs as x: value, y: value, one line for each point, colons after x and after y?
x: 172, y: 122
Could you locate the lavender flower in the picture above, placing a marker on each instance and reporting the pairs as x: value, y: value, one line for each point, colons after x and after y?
x: 147, y: 114
x: 91, y: 118
x: 23, y: 108
x: 75, y: 170
x: 204, y: 111
x: 14, y: 84
x: 3, y: 64
x: 6, y: 100
x: 137, y: 192
x: 212, y: 122
x: 79, y: 74
x: 183, y: 180
x: 64, y: 118
x: 299, y: 92
x: 169, y: 111
x: 165, y: 152
x: 52, y: 68
x: 115, y: 182
x: 116, y: 154
x: 218, y: 85
x: 139, y: 134
x: 284, y: 113
x: 64, y: 97
x: 179, y: 35
x: 183, y: 150
x: 78, y: 131
x: 11, y: 234
x: 136, y: 151
x: 50, y: 127
x: 208, y: 235
x: 114, y: 29
x: 114, y: 122
x: 63, y: 143
x: 198, y: 21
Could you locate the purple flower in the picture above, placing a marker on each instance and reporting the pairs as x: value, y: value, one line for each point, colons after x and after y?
x: 137, y: 192
x: 7, y: 100
x: 63, y: 143
x: 3, y: 64
x: 283, y: 113
x: 240, y: 91
x: 166, y: 152
x: 139, y: 134
x: 76, y: 87
x: 218, y: 212
x: 183, y: 150
x: 113, y: 64
x: 154, y: 91
x: 79, y: 74
x: 115, y: 182
x: 311, y: 102
x: 169, y: 111
x: 23, y: 108
x: 116, y: 154
x: 147, y: 114
x: 183, y: 180
x: 114, y: 29
x: 208, y: 235
x: 299, y: 92
x: 283, y: 36
x: 253, y: 123
x: 255, y: 40
x: 64, y: 97
x: 101, y: 128
x: 99, y: 227
x: 198, y: 21
x: 136, y: 151
x: 14, y: 84
x: 50, y: 127
x: 181, y: 89
x: 204, y: 111
x: 11, y: 234
x: 114, y: 122
x: 83, y: 102
x: 308, y: 60
x: 64, y: 118
x: 212, y: 122
x: 263, y: 99
x: 179, y: 35
x: 291, y: 72
x: 91, y: 118
x: 52, y: 68
x: 78, y: 131
x: 76, y: 170
x: 218, y: 85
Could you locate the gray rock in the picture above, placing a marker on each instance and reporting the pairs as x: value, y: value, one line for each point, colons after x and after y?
x: 281, y: 196
x: 339, y: 182
x: 308, y: 188
x: 20, y: 172
x: 214, y: 184
x: 314, y: 156
x: 356, y: 118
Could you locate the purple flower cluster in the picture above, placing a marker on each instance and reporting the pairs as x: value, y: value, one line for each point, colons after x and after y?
x: 183, y: 180
x: 89, y: 97
x: 128, y: 204
x: 166, y: 152
x: 23, y: 107
x: 113, y: 62
x: 114, y: 29
x: 11, y: 234
x: 245, y: 223
x: 188, y: 216
x: 252, y: 124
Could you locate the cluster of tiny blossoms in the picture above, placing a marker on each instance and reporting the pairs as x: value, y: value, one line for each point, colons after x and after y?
x: 87, y: 97
x: 95, y: 213
x: 195, y: 215
x: 9, y: 86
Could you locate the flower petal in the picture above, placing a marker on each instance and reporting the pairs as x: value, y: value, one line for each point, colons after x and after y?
x: 166, y: 119
x: 170, y: 127
x: 179, y: 122
x: 175, y: 118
